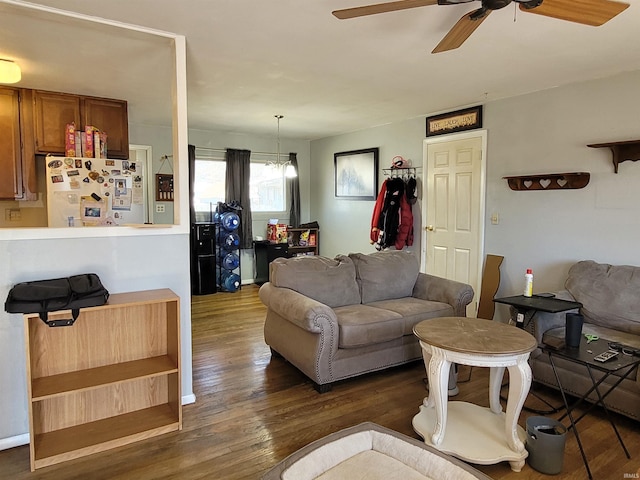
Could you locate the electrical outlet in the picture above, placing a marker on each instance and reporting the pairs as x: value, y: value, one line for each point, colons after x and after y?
x: 159, y: 208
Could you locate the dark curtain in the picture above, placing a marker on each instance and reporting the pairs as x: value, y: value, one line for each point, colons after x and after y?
x: 192, y: 176
x: 237, y: 190
x: 294, y: 194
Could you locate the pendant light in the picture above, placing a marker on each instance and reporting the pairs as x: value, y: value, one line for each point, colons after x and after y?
x: 9, y: 71
x: 289, y: 169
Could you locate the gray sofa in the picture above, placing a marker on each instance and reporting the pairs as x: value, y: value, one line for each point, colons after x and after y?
x: 610, y: 296
x: 338, y: 318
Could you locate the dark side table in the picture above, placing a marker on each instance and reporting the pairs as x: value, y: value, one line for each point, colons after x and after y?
x: 265, y: 253
x: 621, y: 366
x: 528, y: 306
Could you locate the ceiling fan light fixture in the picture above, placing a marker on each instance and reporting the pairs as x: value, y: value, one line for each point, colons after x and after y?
x: 531, y: 4
x: 586, y: 12
x: 495, y: 4
x: 9, y: 71
x: 453, y: 2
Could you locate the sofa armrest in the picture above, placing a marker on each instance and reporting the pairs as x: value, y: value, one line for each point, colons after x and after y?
x: 305, y: 312
x: 438, y: 289
x: 544, y: 321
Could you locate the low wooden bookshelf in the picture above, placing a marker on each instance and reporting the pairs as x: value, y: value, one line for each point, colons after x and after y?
x: 110, y: 379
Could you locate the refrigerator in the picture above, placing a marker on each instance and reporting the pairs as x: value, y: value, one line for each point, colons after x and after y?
x: 95, y: 191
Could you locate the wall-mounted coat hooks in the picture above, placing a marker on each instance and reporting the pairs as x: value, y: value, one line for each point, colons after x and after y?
x: 405, y: 173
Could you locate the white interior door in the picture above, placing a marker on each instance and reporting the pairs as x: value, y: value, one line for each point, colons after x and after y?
x: 453, y: 225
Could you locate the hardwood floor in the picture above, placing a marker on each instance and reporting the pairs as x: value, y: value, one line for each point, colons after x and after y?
x: 252, y: 411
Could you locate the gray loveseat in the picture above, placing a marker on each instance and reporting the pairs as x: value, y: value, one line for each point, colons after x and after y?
x: 610, y: 296
x: 338, y: 318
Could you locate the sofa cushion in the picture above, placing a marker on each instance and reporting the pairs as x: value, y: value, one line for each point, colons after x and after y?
x: 329, y: 281
x: 361, y: 325
x: 414, y: 310
x: 608, y: 293
x: 385, y: 275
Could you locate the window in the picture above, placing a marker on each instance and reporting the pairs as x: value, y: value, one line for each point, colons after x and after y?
x: 208, y: 187
x: 267, y: 187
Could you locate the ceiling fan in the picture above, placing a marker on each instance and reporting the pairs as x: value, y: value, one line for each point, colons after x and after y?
x: 587, y: 12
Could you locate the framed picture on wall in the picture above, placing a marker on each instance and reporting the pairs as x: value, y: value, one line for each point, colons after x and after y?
x: 356, y: 174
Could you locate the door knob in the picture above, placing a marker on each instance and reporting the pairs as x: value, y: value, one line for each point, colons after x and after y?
x: 429, y: 228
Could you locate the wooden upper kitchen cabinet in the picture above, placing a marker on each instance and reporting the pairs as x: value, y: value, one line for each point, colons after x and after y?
x: 108, y: 116
x: 53, y: 111
x: 17, y: 161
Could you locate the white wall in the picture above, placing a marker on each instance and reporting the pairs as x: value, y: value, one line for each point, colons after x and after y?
x: 547, y: 132
x: 543, y: 132
x: 345, y: 224
x: 123, y: 264
x: 223, y: 140
x: 125, y: 258
x: 160, y: 139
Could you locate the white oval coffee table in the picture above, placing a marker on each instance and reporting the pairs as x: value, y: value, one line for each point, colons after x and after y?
x: 470, y: 432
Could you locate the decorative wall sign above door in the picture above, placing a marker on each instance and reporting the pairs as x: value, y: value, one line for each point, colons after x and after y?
x: 458, y: 121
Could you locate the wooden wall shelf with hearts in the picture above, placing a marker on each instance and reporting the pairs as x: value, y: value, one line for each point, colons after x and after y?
x: 548, y: 181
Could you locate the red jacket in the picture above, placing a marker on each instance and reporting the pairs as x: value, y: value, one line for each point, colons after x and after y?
x: 377, y: 210
x: 405, y: 229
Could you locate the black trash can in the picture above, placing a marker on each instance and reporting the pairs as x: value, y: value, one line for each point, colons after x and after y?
x: 545, y: 443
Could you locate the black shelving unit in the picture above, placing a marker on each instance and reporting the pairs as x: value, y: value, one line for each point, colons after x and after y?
x: 227, y: 223
x: 203, y: 259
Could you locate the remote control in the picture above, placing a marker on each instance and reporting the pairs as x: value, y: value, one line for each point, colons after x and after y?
x: 604, y: 356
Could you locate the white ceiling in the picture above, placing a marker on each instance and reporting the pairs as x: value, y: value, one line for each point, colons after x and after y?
x: 248, y: 60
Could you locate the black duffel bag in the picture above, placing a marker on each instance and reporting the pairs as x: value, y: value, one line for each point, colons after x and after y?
x: 68, y: 293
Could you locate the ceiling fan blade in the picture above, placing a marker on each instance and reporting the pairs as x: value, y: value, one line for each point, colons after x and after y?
x: 460, y: 32
x: 381, y: 8
x: 587, y: 12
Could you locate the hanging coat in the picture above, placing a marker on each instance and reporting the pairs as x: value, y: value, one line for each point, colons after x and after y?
x: 405, y: 229
x: 389, y: 220
x: 374, y: 234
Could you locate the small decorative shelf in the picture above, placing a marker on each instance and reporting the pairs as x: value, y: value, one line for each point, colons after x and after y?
x: 548, y: 181
x: 622, y: 151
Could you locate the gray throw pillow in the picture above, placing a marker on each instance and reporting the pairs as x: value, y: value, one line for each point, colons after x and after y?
x: 608, y: 293
x: 329, y: 281
x: 385, y: 275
